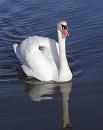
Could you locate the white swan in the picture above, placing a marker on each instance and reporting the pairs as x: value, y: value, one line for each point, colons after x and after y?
x: 44, y: 58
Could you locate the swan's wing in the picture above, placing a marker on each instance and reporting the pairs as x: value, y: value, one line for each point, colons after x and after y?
x: 54, y: 47
x: 42, y: 63
x: 17, y: 50
x: 50, y: 50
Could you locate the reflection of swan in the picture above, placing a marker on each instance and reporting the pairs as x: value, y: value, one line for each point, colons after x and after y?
x: 40, y: 91
x: 43, y: 58
x: 43, y: 91
x: 65, y: 89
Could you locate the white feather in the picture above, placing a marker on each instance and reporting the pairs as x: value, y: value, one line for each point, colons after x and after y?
x: 41, y: 64
x: 43, y: 58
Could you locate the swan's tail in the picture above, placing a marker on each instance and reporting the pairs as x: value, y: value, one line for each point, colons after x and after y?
x: 15, y: 46
x: 17, y: 51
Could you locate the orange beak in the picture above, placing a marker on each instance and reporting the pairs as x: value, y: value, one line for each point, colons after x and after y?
x: 66, y: 32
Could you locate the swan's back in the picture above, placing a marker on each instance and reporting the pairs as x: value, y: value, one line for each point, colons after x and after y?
x: 39, y: 57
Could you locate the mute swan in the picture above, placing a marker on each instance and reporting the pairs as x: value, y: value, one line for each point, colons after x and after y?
x: 44, y: 58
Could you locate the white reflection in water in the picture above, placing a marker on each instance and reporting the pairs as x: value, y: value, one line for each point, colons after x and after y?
x: 43, y: 91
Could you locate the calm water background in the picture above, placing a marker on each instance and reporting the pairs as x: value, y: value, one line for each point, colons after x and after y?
x: 41, y: 109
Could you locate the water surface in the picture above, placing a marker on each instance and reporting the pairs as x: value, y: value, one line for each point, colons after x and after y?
x: 30, y: 104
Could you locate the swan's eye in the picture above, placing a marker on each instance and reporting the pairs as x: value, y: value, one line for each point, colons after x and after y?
x: 64, y: 27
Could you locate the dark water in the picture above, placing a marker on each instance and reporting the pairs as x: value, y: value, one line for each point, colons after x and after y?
x: 32, y: 105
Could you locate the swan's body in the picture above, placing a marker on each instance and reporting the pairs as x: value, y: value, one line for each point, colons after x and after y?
x: 44, y: 58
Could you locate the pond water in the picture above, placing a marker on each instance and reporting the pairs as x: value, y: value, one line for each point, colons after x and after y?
x: 33, y: 105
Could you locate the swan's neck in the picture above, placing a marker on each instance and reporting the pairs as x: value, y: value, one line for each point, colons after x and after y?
x: 61, y: 41
x: 64, y: 72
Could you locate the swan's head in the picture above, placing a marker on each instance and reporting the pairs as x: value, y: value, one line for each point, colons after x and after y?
x: 63, y: 28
